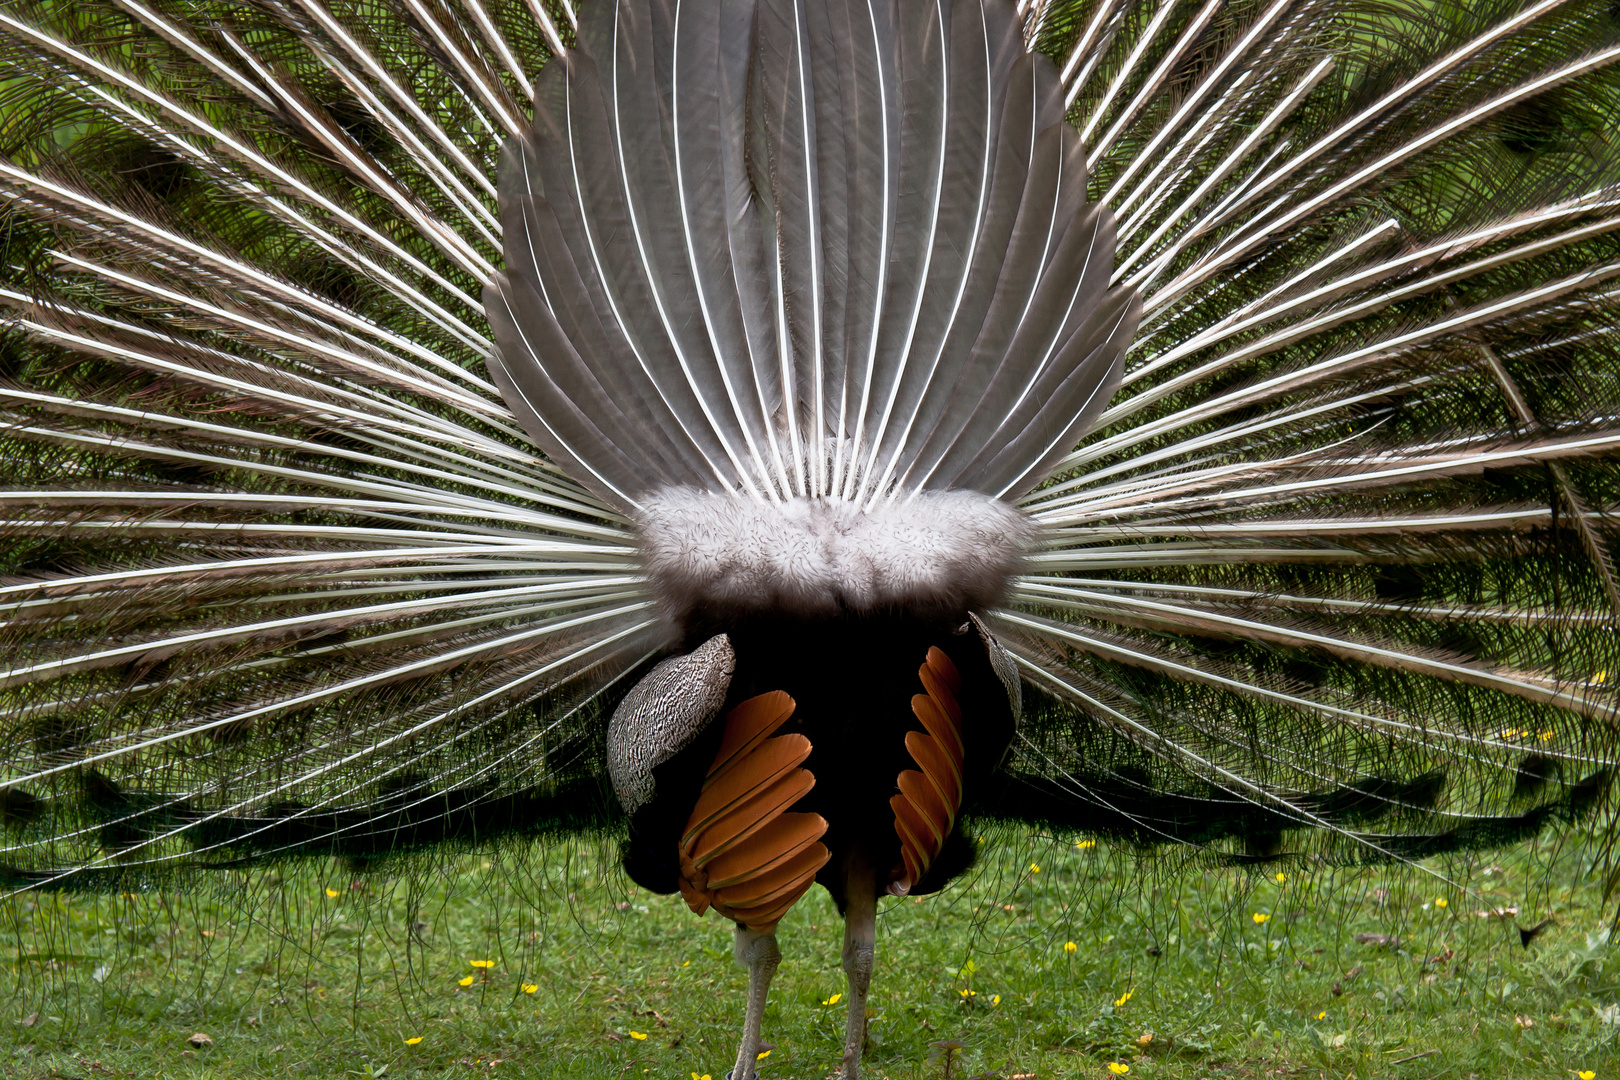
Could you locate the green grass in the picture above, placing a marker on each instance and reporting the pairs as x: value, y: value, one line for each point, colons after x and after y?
x: 1171, y: 974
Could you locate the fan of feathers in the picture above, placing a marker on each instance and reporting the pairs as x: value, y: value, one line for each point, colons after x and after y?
x: 1331, y: 576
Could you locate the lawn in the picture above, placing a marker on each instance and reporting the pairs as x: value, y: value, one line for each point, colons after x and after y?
x: 1054, y: 958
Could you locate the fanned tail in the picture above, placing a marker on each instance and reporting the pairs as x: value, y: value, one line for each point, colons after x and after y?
x: 297, y: 560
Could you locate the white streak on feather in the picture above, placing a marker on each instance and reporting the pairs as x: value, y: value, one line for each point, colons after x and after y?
x: 842, y: 485
x: 870, y: 472
x: 1193, y: 101
x: 607, y: 285
x: 764, y: 471
x: 742, y: 474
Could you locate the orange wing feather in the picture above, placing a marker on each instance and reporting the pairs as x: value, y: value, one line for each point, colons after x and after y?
x: 743, y: 853
x: 929, y: 800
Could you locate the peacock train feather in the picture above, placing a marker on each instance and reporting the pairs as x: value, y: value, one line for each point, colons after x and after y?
x: 419, y: 418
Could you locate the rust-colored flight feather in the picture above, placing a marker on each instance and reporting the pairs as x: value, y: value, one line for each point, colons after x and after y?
x: 772, y: 885
x: 941, y: 724
x: 926, y: 799
x: 743, y: 853
x: 769, y: 764
x: 942, y: 770
x: 931, y: 795
x: 942, y: 667
x: 749, y: 724
x: 768, y: 849
x: 737, y: 825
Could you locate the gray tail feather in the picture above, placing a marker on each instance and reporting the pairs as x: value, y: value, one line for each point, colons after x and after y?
x: 789, y: 249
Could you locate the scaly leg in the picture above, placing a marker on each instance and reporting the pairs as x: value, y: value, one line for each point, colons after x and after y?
x: 759, y: 954
x: 860, y: 946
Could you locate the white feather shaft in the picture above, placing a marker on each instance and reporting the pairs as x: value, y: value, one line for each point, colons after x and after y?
x: 1185, y: 39
x: 449, y: 658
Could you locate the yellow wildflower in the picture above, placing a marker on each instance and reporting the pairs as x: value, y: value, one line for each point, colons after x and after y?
x: 1322, y: 1015
x: 1260, y: 917
x: 996, y: 1000
x: 762, y: 1055
x: 1034, y: 868
x: 482, y: 963
x: 1439, y: 901
x: 529, y: 988
x: 1118, y: 1069
x: 1281, y: 877
x: 1084, y: 844
x: 686, y: 963
x: 638, y: 1035
x: 465, y: 982
x: 413, y: 1040
x: 1069, y: 946
x: 1119, y: 1002
x: 695, y: 1076
x: 833, y: 1000
x: 1586, y: 1074
x: 331, y: 894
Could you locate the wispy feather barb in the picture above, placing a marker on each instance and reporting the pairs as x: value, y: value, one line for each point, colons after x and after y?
x: 380, y: 384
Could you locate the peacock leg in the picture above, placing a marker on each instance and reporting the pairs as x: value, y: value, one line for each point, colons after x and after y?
x: 860, y: 947
x: 758, y: 953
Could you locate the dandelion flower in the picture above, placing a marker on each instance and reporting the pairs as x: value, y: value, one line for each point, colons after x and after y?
x: 1069, y: 946
x: 331, y: 894
x: 413, y: 1040
x: 1119, y: 1002
x: 482, y: 963
x: 468, y: 981
x: 1439, y: 901
x: 1260, y: 917
x: 638, y: 1035
x: 1118, y: 1069
x: 529, y: 988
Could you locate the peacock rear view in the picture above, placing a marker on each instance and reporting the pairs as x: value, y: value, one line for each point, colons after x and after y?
x: 783, y: 432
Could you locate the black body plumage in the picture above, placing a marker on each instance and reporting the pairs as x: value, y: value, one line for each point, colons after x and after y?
x: 852, y: 681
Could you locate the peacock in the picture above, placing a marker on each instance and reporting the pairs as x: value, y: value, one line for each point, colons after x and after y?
x: 785, y: 433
